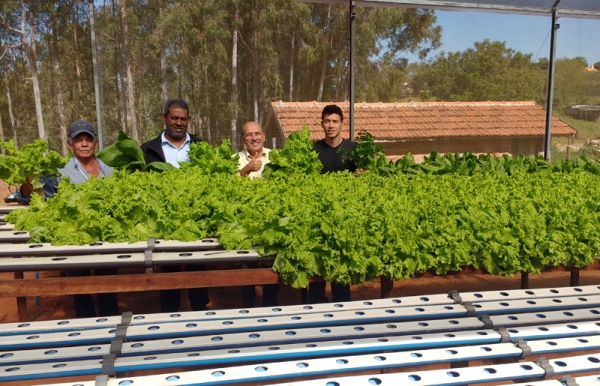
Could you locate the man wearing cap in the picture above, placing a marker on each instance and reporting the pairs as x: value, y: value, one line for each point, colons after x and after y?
x: 84, y: 164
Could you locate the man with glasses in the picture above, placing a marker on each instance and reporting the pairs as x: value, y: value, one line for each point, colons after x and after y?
x: 252, y: 162
x: 172, y: 146
x: 254, y: 157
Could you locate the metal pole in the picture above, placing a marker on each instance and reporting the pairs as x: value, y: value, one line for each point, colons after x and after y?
x: 351, y: 77
x: 548, y: 135
x: 96, y: 78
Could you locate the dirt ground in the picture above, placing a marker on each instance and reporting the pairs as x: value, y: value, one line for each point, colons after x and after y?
x: 61, y: 307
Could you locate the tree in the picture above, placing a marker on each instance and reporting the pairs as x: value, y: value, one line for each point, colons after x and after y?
x: 490, y: 71
x: 129, y: 73
x: 229, y: 68
x: 26, y: 33
x: 573, y: 85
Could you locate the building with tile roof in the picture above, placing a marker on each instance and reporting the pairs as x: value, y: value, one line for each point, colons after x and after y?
x: 422, y: 127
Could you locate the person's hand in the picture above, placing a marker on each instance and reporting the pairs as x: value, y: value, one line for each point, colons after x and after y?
x: 253, y: 166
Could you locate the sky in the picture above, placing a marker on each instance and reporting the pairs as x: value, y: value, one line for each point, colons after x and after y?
x: 524, y: 33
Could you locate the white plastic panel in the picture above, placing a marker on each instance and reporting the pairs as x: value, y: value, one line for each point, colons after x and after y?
x: 9, y: 208
x: 462, y: 376
x: 553, y: 382
x: 560, y: 330
x: 574, y: 364
x: 543, y: 304
x: 296, y: 321
x: 125, y: 260
x: 592, y: 380
x: 104, y: 335
x: 529, y: 294
x: 546, y: 317
x: 553, y: 345
x: 271, y: 370
x: 185, y: 347
x: 13, y: 237
x: 44, y: 249
x: 204, y: 316
x: 6, y: 227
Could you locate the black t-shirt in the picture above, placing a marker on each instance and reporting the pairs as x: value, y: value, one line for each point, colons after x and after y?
x: 336, y: 159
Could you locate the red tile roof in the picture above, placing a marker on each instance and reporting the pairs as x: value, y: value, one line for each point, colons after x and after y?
x: 421, y: 120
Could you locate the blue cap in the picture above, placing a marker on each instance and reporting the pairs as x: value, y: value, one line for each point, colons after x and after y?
x: 79, y: 127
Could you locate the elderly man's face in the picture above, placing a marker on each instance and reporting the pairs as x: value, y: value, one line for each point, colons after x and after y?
x: 253, y: 137
x: 176, y: 123
x: 83, y: 146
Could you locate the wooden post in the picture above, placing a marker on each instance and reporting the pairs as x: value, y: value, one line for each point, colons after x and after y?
x: 304, y: 295
x: 574, y: 278
x: 21, y: 302
x: 387, y: 287
x: 524, y: 280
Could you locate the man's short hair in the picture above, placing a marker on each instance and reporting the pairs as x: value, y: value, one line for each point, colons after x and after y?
x: 332, y: 109
x: 176, y: 102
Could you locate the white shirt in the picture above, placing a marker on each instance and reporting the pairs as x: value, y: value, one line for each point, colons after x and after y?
x: 245, y: 159
x: 173, y: 154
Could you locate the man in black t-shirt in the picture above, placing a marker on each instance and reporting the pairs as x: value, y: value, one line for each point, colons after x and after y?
x: 334, y: 152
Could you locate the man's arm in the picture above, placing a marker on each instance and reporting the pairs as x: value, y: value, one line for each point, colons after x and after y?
x: 49, y: 189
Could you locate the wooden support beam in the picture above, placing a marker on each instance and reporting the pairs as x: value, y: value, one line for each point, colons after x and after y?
x: 57, y: 286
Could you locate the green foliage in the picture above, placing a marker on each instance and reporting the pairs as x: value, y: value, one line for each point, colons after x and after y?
x: 348, y: 229
x: 585, y: 129
x: 127, y: 155
x: 297, y: 156
x: 573, y: 85
x: 213, y: 160
x: 490, y: 71
x: 367, y: 151
x: 29, y: 163
x: 469, y: 164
